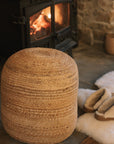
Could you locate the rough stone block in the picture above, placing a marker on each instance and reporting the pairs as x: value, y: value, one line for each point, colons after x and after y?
x: 100, y: 26
x: 86, y: 35
x: 112, y: 17
x: 81, y: 6
x: 95, y: 18
x: 105, y: 4
x: 99, y: 35
x: 101, y: 16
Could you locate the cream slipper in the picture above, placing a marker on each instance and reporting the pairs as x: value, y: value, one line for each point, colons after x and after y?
x: 96, y: 99
x: 83, y: 94
x: 106, y: 110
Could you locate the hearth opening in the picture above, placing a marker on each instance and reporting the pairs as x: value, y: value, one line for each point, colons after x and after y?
x: 40, y: 22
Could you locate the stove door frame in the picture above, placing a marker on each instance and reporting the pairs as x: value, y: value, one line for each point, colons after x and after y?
x: 48, y: 41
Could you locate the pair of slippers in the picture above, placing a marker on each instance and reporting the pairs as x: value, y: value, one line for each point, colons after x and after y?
x: 102, y: 103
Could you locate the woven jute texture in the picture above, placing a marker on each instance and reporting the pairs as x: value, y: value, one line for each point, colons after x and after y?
x: 39, y: 95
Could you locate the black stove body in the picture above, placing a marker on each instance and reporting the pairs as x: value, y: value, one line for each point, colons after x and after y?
x: 38, y: 23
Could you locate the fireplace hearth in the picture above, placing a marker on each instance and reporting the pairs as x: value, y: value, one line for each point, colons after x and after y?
x: 38, y: 23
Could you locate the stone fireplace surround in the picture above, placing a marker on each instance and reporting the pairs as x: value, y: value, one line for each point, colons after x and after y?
x: 95, y: 19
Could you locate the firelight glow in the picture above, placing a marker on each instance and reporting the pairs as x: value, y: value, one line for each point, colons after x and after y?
x: 49, y: 16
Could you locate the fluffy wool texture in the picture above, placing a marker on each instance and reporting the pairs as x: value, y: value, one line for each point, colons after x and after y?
x: 107, y: 81
x: 83, y: 94
x: 101, y: 131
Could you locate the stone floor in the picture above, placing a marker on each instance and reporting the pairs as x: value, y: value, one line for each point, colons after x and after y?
x: 92, y: 63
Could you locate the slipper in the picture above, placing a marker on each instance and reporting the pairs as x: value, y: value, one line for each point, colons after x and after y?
x: 83, y: 94
x: 106, y: 110
x: 96, y: 99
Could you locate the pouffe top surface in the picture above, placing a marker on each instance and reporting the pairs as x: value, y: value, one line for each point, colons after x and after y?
x: 37, y: 59
x: 45, y: 68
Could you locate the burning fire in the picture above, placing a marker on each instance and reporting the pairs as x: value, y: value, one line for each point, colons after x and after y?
x: 40, y: 21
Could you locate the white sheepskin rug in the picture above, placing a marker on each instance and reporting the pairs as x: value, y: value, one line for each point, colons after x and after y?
x: 101, y: 131
x: 107, y: 81
x: 83, y: 94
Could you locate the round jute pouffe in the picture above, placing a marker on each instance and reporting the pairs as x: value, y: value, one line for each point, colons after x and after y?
x: 39, y: 95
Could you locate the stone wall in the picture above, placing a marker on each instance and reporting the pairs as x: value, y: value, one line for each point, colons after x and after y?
x: 95, y: 19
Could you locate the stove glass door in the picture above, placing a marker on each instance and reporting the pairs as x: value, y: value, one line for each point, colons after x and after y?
x: 62, y: 16
x: 40, y: 24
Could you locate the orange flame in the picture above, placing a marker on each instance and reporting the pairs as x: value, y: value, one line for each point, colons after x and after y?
x: 40, y: 23
x: 37, y: 22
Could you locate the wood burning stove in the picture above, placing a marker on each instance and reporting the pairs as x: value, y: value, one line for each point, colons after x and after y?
x: 39, y: 23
